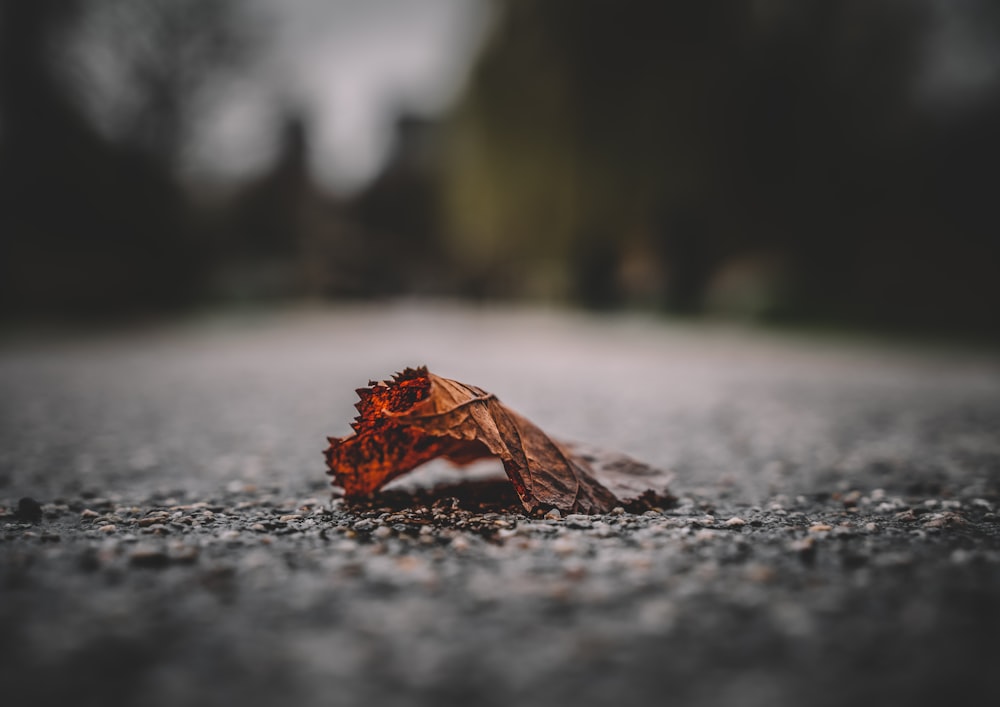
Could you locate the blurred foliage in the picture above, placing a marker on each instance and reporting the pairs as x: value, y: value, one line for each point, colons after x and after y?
x: 781, y: 158
x: 96, y: 101
x: 148, y: 70
x: 634, y: 152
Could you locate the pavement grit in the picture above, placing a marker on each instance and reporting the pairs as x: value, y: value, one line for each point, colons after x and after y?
x: 167, y: 535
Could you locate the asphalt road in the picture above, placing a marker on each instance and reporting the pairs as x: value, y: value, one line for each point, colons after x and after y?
x: 835, y: 538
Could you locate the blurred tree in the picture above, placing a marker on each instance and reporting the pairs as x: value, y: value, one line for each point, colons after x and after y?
x: 147, y: 71
x: 271, y: 220
x: 269, y: 211
x: 582, y: 120
x: 92, y: 219
x: 398, y: 216
x: 702, y: 133
x: 824, y: 140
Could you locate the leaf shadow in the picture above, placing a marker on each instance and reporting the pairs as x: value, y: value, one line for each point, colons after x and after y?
x: 477, y: 496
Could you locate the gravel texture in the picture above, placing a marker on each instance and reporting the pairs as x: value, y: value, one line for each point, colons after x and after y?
x: 167, y: 535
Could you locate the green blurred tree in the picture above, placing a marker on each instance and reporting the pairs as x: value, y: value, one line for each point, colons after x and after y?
x: 689, y: 135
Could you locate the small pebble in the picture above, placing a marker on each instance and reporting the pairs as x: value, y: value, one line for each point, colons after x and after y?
x: 553, y: 514
x: 805, y: 548
x: 735, y: 522
x: 760, y: 573
x: 28, y: 510
x: 87, y: 513
x: 109, y: 528
x: 945, y: 520
x: 148, y: 557
x: 565, y: 546
x: 153, y: 519
x: 183, y: 554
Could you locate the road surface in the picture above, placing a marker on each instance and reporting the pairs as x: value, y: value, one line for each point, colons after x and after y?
x: 835, y: 538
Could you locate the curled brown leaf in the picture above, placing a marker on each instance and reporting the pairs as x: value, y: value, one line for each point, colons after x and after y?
x: 418, y: 416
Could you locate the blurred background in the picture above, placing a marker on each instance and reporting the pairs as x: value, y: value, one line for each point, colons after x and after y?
x: 816, y: 161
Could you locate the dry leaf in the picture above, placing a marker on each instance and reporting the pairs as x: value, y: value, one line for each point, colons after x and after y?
x: 418, y: 416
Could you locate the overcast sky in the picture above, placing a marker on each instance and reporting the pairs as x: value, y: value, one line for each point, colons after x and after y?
x: 351, y: 66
